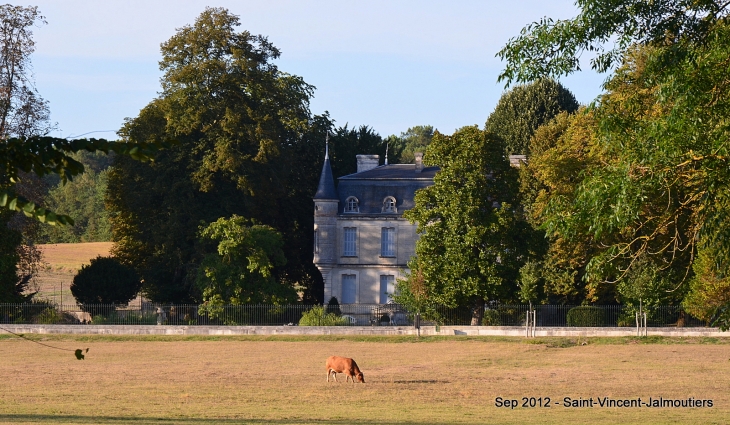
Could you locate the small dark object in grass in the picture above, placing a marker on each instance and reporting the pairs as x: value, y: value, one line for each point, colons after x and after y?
x: 79, y: 355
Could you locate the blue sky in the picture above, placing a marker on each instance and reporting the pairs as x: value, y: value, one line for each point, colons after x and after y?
x: 387, y: 64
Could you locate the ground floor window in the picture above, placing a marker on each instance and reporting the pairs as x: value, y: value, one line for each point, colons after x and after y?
x: 387, y: 288
x: 348, y: 289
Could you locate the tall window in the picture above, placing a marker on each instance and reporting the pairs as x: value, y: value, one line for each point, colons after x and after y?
x: 387, y: 242
x: 387, y: 287
x: 352, y: 205
x: 316, y: 242
x: 348, y: 289
x: 350, y: 242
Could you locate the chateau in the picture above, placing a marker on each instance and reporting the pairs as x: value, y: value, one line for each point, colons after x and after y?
x: 362, y: 243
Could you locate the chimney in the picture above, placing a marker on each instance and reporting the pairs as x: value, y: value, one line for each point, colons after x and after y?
x: 419, y: 161
x: 367, y: 162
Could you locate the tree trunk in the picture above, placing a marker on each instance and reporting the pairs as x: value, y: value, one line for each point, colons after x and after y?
x: 477, y: 311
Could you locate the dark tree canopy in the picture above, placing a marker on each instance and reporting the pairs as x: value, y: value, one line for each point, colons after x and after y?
x: 248, y: 146
x: 105, y: 281
x: 524, y: 108
x: 346, y: 143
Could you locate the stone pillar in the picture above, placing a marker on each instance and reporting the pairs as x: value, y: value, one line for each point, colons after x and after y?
x: 419, y: 161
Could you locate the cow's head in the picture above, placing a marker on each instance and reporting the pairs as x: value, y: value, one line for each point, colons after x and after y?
x: 360, y: 377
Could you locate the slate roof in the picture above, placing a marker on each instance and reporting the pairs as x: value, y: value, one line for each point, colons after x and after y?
x: 394, y: 172
x: 371, y: 187
x: 326, y: 188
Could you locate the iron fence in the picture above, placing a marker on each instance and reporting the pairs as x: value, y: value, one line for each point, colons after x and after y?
x: 351, y: 314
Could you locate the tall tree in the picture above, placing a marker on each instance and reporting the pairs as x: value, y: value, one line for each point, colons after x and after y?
x: 550, y: 48
x: 346, y: 143
x: 248, y: 146
x: 473, y: 240
x: 241, y: 271
x: 26, y: 155
x: 415, y: 139
x: 524, y: 108
x: 23, y: 112
x: 660, y: 194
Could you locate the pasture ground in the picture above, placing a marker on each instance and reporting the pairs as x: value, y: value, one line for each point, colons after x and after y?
x: 62, y: 262
x: 282, y: 380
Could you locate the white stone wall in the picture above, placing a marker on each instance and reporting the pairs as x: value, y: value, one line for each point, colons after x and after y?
x: 369, y: 265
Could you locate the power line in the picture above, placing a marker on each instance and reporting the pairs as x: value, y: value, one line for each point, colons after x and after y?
x: 90, y: 132
x: 78, y: 352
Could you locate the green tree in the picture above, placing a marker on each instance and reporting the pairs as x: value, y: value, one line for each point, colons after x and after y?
x: 241, y: 270
x: 561, y: 154
x: 346, y: 143
x: 23, y: 112
x: 248, y: 146
x: 550, y: 48
x: 83, y: 200
x: 709, y: 289
x: 104, y: 281
x: 524, y: 108
x: 660, y: 191
x: 473, y: 240
x: 415, y: 139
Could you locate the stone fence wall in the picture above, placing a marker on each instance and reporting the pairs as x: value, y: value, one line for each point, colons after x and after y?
x: 512, y: 331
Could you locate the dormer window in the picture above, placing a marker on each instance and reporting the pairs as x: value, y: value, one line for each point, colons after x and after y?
x: 389, y: 205
x: 352, y: 205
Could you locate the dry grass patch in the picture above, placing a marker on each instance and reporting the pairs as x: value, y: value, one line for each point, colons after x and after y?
x: 63, y: 261
x: 265, y: 380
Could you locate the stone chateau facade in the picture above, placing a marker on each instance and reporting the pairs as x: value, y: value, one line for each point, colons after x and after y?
x: 362, y: 243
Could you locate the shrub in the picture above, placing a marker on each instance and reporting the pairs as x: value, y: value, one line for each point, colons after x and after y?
x: 316, y: 316
x: 104, y: 281
x: 49, y: 316
x: 491, y: 318
x: 130, y: 318
x: 333, y: 306
x: 586, y: 316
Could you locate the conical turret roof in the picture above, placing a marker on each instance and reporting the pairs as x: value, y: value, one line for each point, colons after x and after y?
x: 326, y: 188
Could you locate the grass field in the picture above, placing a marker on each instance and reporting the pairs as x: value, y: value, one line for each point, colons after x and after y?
x: 257, y: 380
x: 63, y: 261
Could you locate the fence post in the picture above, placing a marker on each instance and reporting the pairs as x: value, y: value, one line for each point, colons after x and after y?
x: 534, y: 321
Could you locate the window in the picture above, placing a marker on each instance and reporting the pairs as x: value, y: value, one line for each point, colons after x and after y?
x: 348, y: 289
x: 350, y: 242
x: 352, y: 205
x: 389, y: 205
x: 387, y: 242
x: 316, y: 242
x: 387, y: 288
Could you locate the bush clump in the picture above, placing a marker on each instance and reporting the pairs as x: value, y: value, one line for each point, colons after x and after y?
x: 491, y: 318
x: 586, y: 316
x: 317, y: 316
x: 103, y: 282
x: 333, y: 306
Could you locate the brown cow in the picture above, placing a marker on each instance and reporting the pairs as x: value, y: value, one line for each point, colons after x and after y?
x: 336, y: 364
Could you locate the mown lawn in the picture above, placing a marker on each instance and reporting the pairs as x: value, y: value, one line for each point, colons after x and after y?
x: 257, y: 380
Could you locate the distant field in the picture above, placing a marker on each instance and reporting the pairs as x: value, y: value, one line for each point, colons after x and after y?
x: 63, y: 261
x: 232, y: 380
